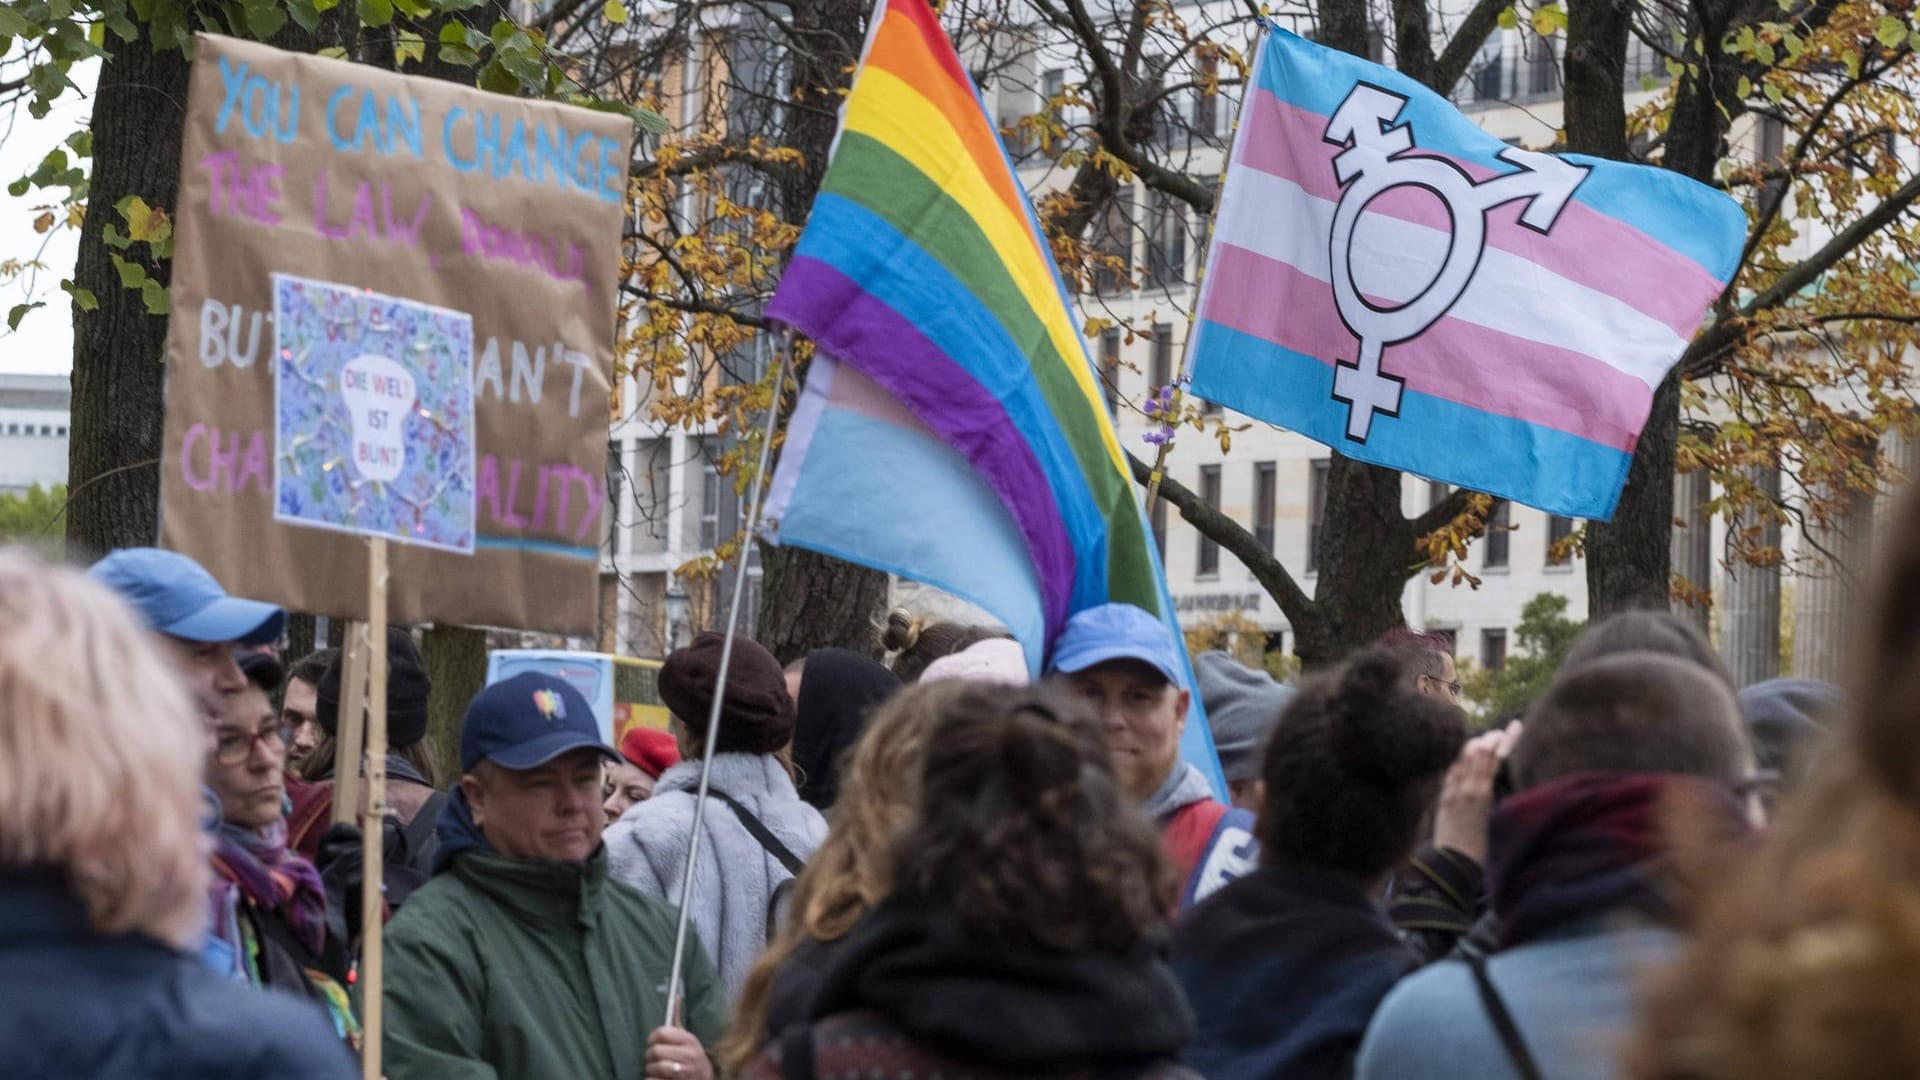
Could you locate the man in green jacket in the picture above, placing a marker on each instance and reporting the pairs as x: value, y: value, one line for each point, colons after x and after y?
x: 521, y: 958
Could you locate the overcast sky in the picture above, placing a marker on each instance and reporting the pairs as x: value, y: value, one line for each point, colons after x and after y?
x: 44, y: 342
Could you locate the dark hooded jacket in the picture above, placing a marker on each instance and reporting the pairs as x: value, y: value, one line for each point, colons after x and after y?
x: 916, y: 993
x: 81, y: 1004
x: 838, y: 693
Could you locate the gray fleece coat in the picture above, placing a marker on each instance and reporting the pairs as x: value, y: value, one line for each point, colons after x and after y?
x: 736, y: 878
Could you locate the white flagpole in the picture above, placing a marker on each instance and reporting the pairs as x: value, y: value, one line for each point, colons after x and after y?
x: 712, y: 738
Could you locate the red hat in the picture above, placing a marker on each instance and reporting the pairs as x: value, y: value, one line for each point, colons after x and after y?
x: 651, y: 750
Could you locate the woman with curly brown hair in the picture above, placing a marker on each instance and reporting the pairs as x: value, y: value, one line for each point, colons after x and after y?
x: 1806, y: 959
x: 1019, y: 938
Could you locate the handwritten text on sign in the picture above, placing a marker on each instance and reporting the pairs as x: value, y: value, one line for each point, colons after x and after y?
x: 502, y: 210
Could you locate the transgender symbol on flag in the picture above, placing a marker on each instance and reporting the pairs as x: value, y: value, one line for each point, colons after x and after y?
x: 1378, y: 158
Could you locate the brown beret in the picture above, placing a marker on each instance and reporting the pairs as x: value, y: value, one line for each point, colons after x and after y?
x: 757, y: 717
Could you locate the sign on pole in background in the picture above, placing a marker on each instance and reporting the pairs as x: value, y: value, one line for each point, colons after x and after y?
x: 1389, y: 279
x: 488, y: 229
x: 373, y: 414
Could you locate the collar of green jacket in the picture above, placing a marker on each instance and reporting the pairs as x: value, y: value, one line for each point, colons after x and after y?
x: 538, y: 891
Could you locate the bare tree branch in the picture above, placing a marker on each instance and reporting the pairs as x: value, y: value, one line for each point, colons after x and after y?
x: 1234, y: 537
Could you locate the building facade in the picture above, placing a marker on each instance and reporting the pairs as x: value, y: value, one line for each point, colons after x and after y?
x: 34, y: 416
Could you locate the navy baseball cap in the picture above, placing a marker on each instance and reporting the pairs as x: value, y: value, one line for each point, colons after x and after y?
x: 526, y: 721
x: 177, y: 597
x: 1117, y: 632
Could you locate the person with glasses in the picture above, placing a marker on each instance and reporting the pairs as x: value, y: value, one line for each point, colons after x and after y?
x: 269, y: 906
x: 1437, y: 676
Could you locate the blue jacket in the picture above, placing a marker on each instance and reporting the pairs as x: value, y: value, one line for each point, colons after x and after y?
x: 1283, y: 968
x: 1572, y: 995
x: 82, y: 1004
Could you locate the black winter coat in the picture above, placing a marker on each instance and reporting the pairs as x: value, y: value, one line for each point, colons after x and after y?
x: 76, y: 1004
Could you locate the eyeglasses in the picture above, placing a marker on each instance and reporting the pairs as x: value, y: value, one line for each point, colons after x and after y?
x: 1452, y: 687
x: 236, y: 747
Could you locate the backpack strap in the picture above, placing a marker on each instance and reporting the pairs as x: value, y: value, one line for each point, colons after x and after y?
x: 1503, y: 1025
x: 761, y: 833
x: 797, y: 1054
x: 418, y: 833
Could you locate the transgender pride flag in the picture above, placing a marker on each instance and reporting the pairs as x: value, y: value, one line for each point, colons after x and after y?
x: 1389, y: 279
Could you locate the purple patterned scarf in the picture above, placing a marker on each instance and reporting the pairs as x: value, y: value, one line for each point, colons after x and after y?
x: 257, y: 864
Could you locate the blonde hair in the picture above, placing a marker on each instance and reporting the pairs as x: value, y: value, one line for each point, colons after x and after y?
x: 101, y: 753
x: 851, y: 870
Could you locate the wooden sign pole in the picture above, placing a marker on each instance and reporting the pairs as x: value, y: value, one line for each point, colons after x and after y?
x: 372, y: 833
x: 349, y: 727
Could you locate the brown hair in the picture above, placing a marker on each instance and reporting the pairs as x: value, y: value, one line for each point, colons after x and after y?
x: 1646, y: 632
x: 101, y: 752
x: 1424, y: 646
x: 1807, y: 954
x: 423, y: 754
x: 1021, y: 831
x: 1635, y: 712
x: 310, y: 667
x: 915, y: 643
x: 1354, y: 765
x: 851, y: 870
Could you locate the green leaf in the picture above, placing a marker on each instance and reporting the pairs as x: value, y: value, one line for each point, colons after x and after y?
x: 1764, y: 53
x: 1509, y: 19
x: 81, y: 143
x: 20, y: 312
x: 114, y: 238
x: 1648, y: 82
x: 375, y: 12
x: 615, y: 11
x: 97, y: 34
x: 333, y: 52
x: 304, y: 13
x: 452, y: 32
x: 498, y: 79
x: 408, y: 45
x: 1744, y: 89
x: 1674, y: 68
x: 324, y: 6
x: 266, y: 20
x: 15, y: 25
x: 1774, y: 93
x: 1852, y: 58
x: 414, y: 9
x: 122, y: 27
x: 649, y: 121
x: 1549, y: 19
x: 82, y: 298
x: 20, y: 187
x: 458, y: 56
x: 1891, y: 32
x: 132, y: 274
x: 154, y: 295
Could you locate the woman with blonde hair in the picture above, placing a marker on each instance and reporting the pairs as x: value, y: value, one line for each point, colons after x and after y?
x: 849, y: 873
x: 1806, y: 957
x: 103, y: 870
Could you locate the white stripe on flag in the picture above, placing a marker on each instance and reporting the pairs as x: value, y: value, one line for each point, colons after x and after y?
x: 1275, y: 217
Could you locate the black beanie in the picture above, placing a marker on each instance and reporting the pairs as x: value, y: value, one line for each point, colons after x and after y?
x: 407, y: 690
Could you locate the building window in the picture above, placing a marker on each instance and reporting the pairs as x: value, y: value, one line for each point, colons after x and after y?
x: 1113, y: 245
x: 1316, y: 509
x: 1110, y: 365
x: 1166, y: 240
x: 1558, y: 529
x: 13, y: 429
x: 1263, y: 504
x: 616, y: 478
x: 1497, y: 537
x: 1206, y: 107
x: 1437, y: 492
x: 1210, y: 492
x: 1011, y: 109
x: 1053, y: 86
x: 1162, y: 356
x: 61, y: 431
x: 709, y: 505
x: 1543, y: 71
x: 1493, y: 649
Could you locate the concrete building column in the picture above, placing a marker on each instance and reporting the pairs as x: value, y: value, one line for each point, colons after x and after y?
x: 1750, y: 615
x: 1693, y: 542
x: 1826, y: 596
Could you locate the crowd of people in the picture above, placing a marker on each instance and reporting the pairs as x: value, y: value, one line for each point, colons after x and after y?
x: 939, y: 866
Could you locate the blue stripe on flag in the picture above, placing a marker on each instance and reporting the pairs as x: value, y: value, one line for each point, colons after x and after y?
x: 1562, y: 474
x: 1691, y: 218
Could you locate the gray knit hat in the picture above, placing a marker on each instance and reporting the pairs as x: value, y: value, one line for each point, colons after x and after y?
x: 1243, y: 705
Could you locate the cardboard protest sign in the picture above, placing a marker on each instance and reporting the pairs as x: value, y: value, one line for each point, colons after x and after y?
x: 376, y: 237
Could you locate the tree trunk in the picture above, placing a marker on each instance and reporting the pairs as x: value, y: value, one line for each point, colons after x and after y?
x: 119, y: 371
x: 119, y: 350
x: 457, y: 663
x: 809, y: 600
x: 1365, y: 550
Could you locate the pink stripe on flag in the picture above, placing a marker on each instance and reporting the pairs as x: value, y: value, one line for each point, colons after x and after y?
x: 1587, y: 247
x: 1454, y: 360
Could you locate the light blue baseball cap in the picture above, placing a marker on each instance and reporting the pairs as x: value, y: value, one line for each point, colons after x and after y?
x: 1117, y: 632
x: 177, y: 597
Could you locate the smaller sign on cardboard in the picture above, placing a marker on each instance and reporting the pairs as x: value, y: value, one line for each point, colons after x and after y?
x: 373, y: 414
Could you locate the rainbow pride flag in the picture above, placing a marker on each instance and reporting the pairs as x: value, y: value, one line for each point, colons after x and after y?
x: 957, y: 379
x: 1389, y: 279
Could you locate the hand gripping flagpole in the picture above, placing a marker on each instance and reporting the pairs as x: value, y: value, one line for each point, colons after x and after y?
x: 712, y: 738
